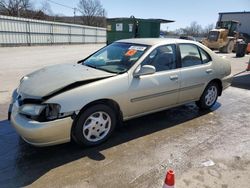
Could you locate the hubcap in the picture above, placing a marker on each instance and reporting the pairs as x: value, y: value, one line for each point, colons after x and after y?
x: 96, y: 126
x: 211, y: 95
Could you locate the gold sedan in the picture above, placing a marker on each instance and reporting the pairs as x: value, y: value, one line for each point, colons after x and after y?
x: 125, y: 80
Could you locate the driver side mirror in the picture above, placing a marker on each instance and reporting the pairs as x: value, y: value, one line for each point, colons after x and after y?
x: 144, y: 70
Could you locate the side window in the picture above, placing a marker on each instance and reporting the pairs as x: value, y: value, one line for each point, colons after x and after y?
x: 190, y: 55
x: 162, y: 58
x: 205, y: 57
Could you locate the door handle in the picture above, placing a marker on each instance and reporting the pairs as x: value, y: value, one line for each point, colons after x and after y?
x: 209, y: 71
x: 174, y: 77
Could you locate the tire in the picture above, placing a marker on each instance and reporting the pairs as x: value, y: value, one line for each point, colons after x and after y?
x: 94, y: 125
x: 209, y: 96
x: 230, y: 47
x: 223, y: 49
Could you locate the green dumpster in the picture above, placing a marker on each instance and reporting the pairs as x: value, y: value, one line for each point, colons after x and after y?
x: 124, y: 28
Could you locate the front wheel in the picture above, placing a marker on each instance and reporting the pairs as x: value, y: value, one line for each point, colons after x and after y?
x: 209, y: 96
x: 94, y: 125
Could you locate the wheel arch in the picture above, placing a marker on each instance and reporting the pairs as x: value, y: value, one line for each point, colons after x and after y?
x: 219, y: 83
x: 109, y: 102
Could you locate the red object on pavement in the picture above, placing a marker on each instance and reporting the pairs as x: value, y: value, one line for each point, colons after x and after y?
x: 248, y: 48
x: 248, y: 66
x: 169, y: 180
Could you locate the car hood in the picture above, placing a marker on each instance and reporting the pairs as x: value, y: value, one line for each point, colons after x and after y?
x: 50, y: 80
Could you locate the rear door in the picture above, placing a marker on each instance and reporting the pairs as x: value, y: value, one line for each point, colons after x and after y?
x: 196, y: 71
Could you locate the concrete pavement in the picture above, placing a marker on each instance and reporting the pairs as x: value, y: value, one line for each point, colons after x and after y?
x: 140, y: 152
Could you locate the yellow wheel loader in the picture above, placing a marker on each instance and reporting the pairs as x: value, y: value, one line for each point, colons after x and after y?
x: 223, y: 37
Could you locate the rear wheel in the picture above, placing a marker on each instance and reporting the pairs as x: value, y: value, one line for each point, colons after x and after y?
x: 94, y: 125
x: 228, y: 48
x: 209, y: 96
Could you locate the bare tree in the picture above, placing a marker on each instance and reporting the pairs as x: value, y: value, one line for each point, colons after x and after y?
x: 46, y: 8
x: 194, y: 29
x: 92, y: 12
x: 14, y: 7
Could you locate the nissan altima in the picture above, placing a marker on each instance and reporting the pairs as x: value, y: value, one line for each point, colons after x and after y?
x: 129, y: 78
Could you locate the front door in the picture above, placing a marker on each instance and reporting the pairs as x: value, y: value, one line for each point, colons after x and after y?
x: 159, y: 90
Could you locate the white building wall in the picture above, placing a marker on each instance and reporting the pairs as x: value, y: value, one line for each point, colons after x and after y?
x: 21, y: 31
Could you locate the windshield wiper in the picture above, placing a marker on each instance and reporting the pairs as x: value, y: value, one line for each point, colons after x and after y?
x: 103, y: 69
x: 90, y: 66
x: 107, y: 70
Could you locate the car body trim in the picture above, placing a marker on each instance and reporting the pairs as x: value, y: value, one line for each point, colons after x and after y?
x: 164, y: 93
x: 153, y: 95
x: 192, y: 87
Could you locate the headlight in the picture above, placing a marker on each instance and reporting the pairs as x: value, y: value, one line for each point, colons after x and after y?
x: 42, y: 112
x: 32, y: 109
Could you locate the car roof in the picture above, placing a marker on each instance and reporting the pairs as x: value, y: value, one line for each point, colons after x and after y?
x: 155, y: 41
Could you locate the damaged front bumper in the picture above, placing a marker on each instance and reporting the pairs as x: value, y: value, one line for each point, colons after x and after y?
x: 41, y: 133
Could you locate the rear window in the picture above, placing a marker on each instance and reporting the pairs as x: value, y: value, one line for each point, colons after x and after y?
x: 204, y: 55
x: 190, y: 55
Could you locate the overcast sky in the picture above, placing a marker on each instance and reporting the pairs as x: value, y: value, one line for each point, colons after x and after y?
x: 183, y: 12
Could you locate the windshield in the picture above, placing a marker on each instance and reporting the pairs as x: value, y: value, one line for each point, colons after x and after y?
x: 117, y: 57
